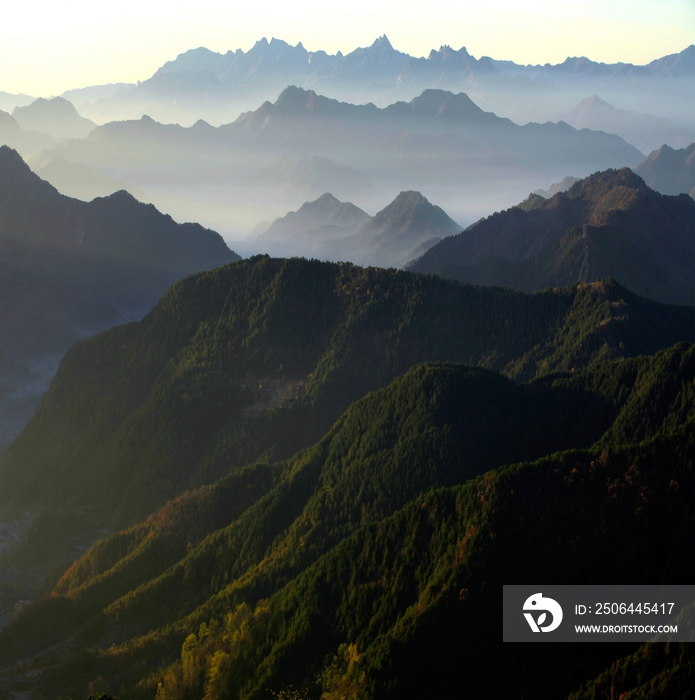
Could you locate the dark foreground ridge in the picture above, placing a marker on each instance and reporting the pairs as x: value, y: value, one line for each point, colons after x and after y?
x: 371, y: 563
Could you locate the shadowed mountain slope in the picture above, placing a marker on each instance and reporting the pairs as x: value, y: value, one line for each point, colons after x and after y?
x: 114, y: 249
x: 609, y: 224
x: 70, y: 268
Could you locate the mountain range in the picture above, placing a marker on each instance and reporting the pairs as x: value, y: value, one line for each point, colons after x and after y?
x: 609, y: 224
x: 352, y: 562
x: 204, y: 84
x: 333, y: 230
x: 273, y: 159
x: 310, y: 477
x: 70, y: 268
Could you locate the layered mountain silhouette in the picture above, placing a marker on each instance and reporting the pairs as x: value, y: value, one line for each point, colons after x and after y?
x: 556, y: 187
x: 56, y: 117
x: 204, y: 84
x: 305, y: 119
x: 394, y: 234
x: 8, y: 100
x: 295, y: 176
x: 69, y: 268
x: 305, y: 144
x: 28, y: 143
x: 609, y: 224
x: 670, y: 171
x: 642, y: 130
x: 333, y: 230
x: 303, y: 231
x: 83, y: 183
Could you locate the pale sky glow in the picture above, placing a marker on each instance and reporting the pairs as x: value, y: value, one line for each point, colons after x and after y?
x: 49, y: 47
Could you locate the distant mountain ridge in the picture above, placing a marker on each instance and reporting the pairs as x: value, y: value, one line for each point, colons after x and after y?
x: 81, y: 182
x: 56, y: 117
x: 28, y: 143
x: 304, y: 144
x: 333, y: 230
x: 609, y: 224
x: 393, y: 233
x: 644, y: 131
x: 670, y: 171
x: 303, y: 231
x: 377, y: 72
x: 556, y: 187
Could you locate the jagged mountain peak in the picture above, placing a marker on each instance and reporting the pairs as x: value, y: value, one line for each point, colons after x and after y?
x: 382, y: 42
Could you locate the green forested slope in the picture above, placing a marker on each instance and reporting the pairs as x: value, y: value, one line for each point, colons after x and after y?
x: 349, y: 577
x: 654, y: 671
x: 256, y: 360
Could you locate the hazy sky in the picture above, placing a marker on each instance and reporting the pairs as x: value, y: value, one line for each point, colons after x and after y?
x: 47, y: 47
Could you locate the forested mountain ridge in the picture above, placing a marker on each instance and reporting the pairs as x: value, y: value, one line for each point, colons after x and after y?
x: 257, y: 359
x: 349, y: 532
x: 608, y: 224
